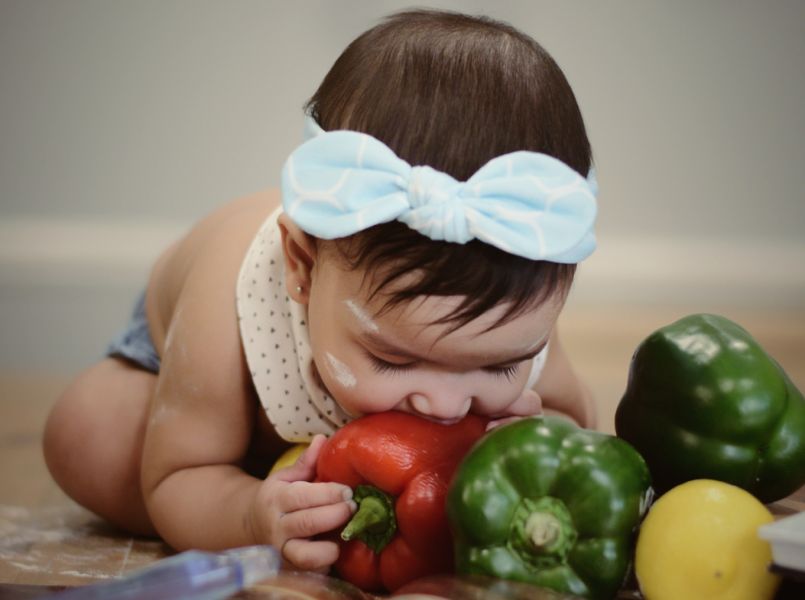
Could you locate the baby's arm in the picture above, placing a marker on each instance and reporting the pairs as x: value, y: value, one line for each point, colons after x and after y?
x: 201, y: 423
x: 561, y: 389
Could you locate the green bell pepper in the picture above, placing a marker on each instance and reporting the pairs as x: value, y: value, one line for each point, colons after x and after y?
x: 544, y: 502
x: 705, y: 401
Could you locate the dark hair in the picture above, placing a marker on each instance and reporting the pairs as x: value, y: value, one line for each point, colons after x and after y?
x: 452, y: 91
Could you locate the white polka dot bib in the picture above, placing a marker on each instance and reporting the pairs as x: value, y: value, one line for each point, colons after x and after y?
x: 274, y: 334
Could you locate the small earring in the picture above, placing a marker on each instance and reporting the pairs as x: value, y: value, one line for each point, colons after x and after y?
x: 298, y: 289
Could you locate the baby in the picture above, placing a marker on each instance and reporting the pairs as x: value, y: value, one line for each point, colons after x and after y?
x: 417, y: 260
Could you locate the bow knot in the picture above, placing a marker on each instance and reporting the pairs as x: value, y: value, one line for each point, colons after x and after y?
x: 428, y: 186
x: 437, y: 209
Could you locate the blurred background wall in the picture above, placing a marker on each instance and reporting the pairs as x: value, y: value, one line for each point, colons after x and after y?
x: 121, y: 123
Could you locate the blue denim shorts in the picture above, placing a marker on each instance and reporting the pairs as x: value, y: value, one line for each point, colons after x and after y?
x: 134, y: 343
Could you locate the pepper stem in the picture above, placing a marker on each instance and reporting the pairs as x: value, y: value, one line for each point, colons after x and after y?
x: 543, y: 529
x: 374, y: 522
x: 370, y: 516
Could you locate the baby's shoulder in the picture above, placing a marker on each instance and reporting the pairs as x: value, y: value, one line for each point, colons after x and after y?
x: 223, y: 236
x: 236, y: 220
x: 205, y: 262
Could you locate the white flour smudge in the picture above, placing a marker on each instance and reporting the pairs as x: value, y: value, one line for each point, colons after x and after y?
x: 341, y: 372
x: 364, y: 319
x: 69, y: 542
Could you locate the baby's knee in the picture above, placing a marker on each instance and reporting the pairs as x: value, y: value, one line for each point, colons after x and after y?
x: 93, y: 442
x: 84, y: 425
x: 67, y: 428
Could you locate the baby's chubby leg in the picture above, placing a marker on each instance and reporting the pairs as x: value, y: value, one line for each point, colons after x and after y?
x: 94, y: 438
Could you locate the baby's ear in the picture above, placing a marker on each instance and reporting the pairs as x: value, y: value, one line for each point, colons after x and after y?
x: 299, y: 253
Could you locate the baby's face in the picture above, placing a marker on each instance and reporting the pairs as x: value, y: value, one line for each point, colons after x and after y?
x: 401, y: 360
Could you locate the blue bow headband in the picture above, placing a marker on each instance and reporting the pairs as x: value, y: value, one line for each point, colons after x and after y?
x: 338, y: 183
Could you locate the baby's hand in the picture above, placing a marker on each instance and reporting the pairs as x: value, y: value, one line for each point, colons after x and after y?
x: 288, y: 510
x: 528, y: 404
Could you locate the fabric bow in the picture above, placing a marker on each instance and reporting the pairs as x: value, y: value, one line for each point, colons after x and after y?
x: 338, y: 183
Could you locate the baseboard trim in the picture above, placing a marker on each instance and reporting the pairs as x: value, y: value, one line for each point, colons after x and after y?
x: 118, y: 253
x: 678, y: 270
x: 87, y: 252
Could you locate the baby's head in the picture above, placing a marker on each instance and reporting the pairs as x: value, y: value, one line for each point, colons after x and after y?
x: 435, y: 311
x: 453, y: 91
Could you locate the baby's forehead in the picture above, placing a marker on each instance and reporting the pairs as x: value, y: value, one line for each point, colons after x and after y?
x: 434, y: 317
x: 381, y: 294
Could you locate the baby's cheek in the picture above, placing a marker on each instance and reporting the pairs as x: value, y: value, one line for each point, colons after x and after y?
x: 341, y: 374
x: 374, y: 393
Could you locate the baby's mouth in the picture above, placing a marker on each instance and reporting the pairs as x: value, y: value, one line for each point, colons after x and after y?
x: 411, y: 406
x: 432, y: 419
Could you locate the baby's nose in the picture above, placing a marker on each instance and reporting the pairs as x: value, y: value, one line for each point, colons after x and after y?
x: 441, y: 408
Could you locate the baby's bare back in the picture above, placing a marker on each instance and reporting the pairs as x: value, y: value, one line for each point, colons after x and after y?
x: 228, y: 230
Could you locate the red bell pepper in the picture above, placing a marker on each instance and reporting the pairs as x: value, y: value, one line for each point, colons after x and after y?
x: 399, y: 466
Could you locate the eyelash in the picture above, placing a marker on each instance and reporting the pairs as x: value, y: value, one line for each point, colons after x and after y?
x: 383, y: 366
x: 507, y: 372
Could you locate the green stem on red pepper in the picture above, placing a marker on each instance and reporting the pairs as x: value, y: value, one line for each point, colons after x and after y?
x: 374, y: 522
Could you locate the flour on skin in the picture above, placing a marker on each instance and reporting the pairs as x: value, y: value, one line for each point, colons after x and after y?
x: 341, y: 372
x: 363, y: 318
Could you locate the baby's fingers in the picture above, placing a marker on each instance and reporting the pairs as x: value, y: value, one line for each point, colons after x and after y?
x: 310, y: 556
x: 529, y: 403
x: 501, y: 422
x: 304, y: 469
x: 313, y: 521
x: 301, y: 494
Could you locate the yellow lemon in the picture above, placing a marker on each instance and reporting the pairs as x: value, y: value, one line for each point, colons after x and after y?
x: 288, y: 457
x: 699, y: 541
